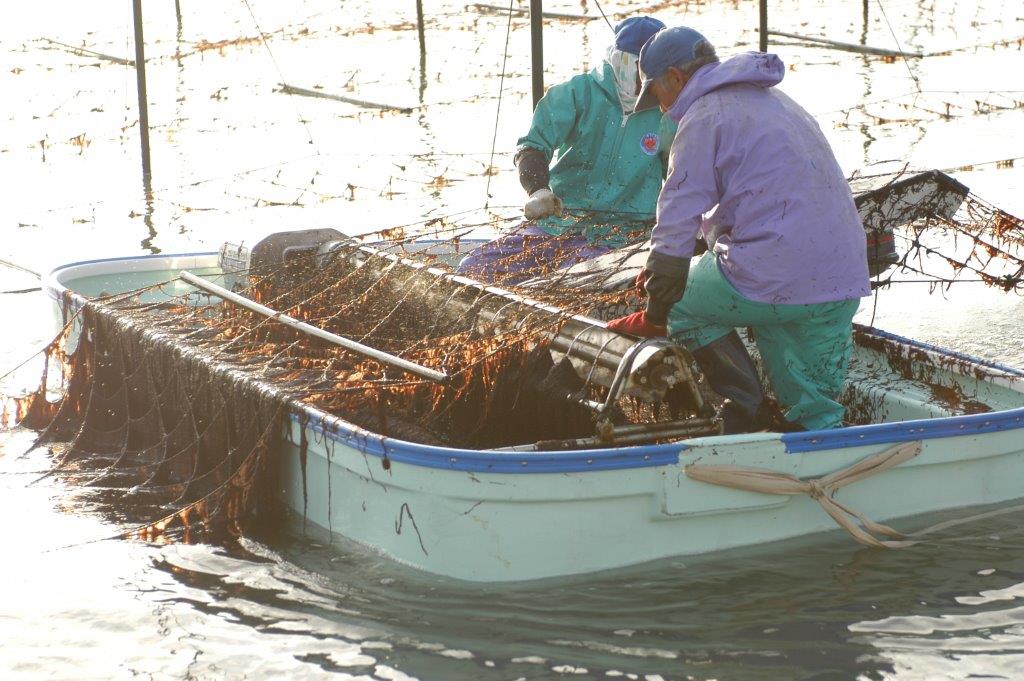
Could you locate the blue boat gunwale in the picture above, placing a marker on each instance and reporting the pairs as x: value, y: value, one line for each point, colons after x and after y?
x: 150, y: 256
x: 342, y: 432
x: 54, y: 289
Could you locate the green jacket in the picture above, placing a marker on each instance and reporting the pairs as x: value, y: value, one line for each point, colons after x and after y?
x: 610, y: 166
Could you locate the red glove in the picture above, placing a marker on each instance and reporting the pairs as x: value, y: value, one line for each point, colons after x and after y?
x: 636, y: 324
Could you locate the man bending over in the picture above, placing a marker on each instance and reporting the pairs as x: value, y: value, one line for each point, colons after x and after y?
x: 787, y: 247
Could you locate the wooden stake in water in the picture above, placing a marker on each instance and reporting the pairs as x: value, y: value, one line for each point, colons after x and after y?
x: 537, y: 41
x: 763, y: 26
x: 419, y: 27
x: 423, y: 48
x: 140, y: 77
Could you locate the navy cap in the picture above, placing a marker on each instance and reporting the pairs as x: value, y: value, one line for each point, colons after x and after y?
x: 670, y: 47
x: 632, y: 33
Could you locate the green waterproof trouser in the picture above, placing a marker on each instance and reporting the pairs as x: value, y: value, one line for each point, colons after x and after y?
x: 805, y: 349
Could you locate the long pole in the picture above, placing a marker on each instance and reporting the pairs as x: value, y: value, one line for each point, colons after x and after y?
x: 537, y: 41
x: 140, y: 76
x: 864, y: 35
x: 420, y: 30
x: 348, y: 344
x: 764, y: 25
x: 847, y: 47
x: 419, y: 25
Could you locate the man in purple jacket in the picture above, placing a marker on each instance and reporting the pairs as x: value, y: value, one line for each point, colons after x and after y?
x: 787, y: 247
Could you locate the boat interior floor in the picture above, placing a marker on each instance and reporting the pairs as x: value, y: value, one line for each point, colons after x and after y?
x: 891, y: 381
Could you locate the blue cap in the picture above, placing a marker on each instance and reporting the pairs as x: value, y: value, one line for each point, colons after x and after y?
x: 670, y: 47
x: 632, y: 33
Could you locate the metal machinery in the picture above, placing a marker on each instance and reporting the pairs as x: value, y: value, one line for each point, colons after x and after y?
x: 649, y: 370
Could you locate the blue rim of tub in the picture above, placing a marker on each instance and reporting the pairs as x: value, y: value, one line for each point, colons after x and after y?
x: 621, y: 458
x: 54, y: 288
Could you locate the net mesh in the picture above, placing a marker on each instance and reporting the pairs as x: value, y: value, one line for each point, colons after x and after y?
x: 940, y: 232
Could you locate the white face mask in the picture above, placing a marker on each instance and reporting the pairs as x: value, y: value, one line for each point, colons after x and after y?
x: 624, y: 67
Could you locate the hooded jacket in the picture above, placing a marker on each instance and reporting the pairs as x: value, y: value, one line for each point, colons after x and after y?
x: 785, y: 229
x: 609, y: 165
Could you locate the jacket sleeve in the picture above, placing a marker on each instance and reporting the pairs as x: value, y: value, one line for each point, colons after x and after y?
x: 554, y: 120
x: 691, y: 188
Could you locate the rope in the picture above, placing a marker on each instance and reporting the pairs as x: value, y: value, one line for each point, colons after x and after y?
x: 21, y: 268
x: 913, y: 76
x: 820, y: 489
x: 823, y: 489
x: 280, y: 75
x: 601, y: 10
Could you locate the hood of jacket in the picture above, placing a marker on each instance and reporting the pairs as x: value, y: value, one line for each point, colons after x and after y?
x: 753, y: 68
x: 604, y: 75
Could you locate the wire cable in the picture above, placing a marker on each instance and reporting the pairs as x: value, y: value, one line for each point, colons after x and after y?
x: 497, y: 115
x: 601, y: 10
x: 263, y: 39
x: 906, y: 61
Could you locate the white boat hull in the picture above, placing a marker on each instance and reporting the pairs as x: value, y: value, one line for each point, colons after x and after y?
x: 487, y: 527
x: 508, y: 516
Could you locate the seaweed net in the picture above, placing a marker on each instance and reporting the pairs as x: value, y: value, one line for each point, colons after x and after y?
x: 981, y: 243
x: 174, y: 403
x: 927, y: 228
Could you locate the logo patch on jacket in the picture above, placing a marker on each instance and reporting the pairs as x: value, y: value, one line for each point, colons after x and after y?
x: 649, y: 143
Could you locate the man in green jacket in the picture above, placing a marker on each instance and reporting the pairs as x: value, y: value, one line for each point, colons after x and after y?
x: 602, y: 190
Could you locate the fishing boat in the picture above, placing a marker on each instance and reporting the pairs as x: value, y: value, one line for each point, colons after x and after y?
x: 929, y: 429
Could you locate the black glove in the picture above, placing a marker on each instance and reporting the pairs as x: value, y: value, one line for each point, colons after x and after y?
x: 665, y: 282
x: 533, y: 169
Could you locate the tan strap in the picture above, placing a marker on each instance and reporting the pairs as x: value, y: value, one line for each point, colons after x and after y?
x: 820, y: 489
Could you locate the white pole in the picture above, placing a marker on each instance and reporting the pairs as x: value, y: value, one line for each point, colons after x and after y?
x: 346, y: 343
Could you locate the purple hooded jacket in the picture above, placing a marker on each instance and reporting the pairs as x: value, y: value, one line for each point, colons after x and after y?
x: 786, y: 229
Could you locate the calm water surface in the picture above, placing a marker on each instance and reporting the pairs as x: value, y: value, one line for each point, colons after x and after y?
x: 233, y: 158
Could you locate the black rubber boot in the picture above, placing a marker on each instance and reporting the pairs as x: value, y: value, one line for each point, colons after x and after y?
x: 771, y: 417
x: 730, y: 372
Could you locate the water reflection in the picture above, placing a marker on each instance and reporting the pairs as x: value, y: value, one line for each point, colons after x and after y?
x: 805, y: 610
x: 289, y: 603
x: 147, y: 217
